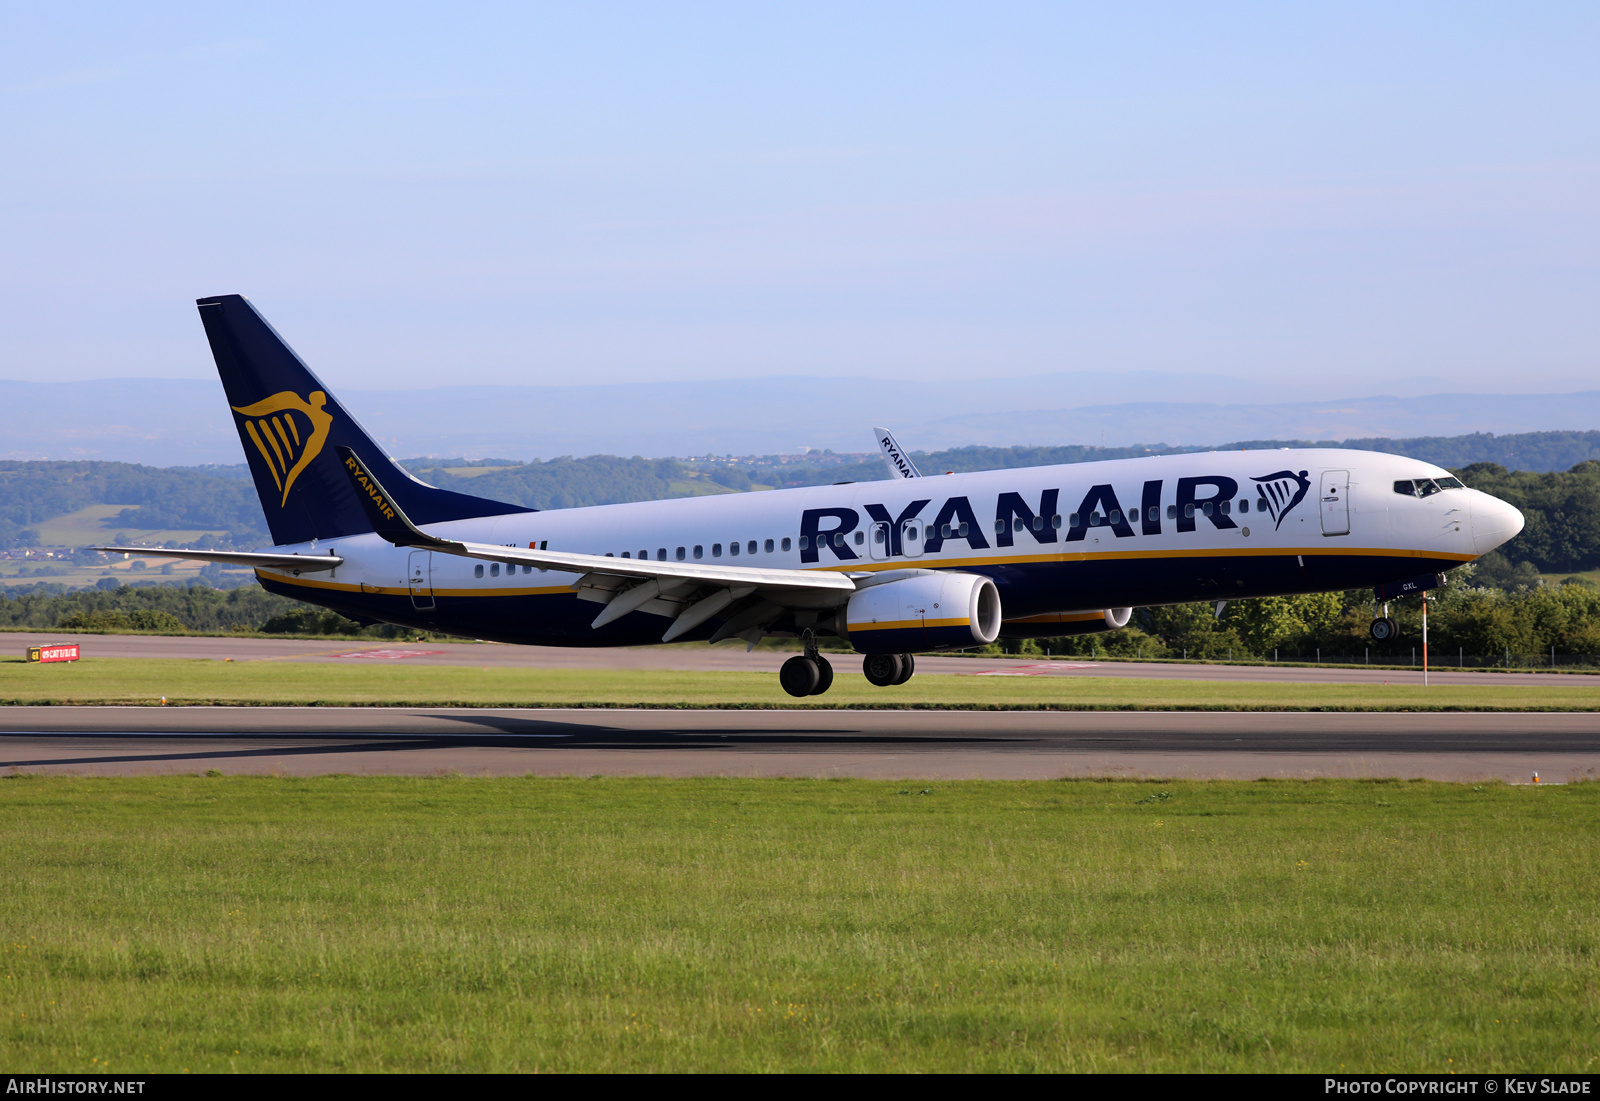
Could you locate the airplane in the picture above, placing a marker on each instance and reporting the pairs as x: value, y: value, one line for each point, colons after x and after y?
x: 895, y: 457
x: 915, y: 564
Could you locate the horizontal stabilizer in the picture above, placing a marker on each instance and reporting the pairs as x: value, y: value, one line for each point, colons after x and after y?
x: 305, y: 563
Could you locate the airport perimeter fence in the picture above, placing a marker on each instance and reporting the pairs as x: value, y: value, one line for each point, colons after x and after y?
x: 1440, y: 657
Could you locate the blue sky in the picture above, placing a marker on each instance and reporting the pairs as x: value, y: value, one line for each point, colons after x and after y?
x: 1341, y: 195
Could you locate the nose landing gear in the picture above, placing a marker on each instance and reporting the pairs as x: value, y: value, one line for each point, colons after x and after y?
x: 1384, y: 628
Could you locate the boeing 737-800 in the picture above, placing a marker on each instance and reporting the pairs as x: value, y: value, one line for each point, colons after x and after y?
x: 893, y: 568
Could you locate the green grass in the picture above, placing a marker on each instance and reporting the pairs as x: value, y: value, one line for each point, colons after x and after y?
x: 133, y: 680
x: 257, y: 923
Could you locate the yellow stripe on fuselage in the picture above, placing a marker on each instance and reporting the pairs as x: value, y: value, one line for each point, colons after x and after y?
x: 906, y: 624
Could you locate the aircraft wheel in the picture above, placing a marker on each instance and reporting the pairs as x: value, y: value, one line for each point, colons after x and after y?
x: 799, y: 676
x: 824, y: 675
x: 883, y: 669
x: 908, y: 666
x: 1385, y: 629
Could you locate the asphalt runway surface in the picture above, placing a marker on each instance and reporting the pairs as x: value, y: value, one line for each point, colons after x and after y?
x: 919, y: 745
x: 729, y: 657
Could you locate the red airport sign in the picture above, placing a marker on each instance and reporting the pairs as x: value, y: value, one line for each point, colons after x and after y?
x: 67, y: 652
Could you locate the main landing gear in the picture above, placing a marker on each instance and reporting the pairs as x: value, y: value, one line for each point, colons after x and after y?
x: 810, y: 674
x: 1384, y: 628
x: 886, y: 670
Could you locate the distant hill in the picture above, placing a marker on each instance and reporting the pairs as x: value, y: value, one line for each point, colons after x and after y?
x: 1533, y: 451
x: 171, y: 422
x: 221, y: 498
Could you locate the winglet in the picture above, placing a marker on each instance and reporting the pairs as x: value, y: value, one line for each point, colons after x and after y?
x: 894, y: 455
x: 382, y: 511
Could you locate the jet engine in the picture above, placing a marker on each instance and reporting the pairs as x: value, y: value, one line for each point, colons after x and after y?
x: 1063, y: 624
x: 926, y: 611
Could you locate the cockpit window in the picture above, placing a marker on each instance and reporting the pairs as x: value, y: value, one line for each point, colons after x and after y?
x: 1425, y: 487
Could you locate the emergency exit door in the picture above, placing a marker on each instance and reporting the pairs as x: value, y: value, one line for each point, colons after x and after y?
x: 419, y: 579
x: 1335, y: 502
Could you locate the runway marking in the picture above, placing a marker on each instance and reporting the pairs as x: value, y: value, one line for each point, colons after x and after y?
x: 390, y: 655
x: 1033, y: 670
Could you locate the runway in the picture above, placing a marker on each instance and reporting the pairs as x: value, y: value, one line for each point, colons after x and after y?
x: 730, y: 657
x: 921, y: 745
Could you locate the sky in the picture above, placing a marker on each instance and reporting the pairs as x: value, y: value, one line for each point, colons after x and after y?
x: 1335, y: 197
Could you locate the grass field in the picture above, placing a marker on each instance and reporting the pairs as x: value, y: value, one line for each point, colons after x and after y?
x: 130, y: 680
x: 90, y: 525
x: 463, y: 924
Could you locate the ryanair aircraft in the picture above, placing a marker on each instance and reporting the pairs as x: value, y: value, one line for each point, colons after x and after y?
x: 894, y: 568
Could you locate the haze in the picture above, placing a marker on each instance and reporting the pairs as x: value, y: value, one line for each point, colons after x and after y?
x: 1318, y: 202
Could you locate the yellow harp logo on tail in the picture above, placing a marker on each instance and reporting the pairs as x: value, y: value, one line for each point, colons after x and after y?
x: 289, y: 431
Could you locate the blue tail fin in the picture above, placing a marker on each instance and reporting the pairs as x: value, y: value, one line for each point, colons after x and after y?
x: 291, y: 426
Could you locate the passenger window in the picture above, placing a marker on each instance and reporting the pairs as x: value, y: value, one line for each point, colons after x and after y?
x: 1206, y: 508
x: 944, y: 531
x: 1244, y: 506
x: 1055, y: 521
x: 1155, y: 514
x: 963, y: 531
x: 999, y: 527
x: 1188, y: 512
x: 752, y: 547
x: 608, y: 555
x: 785, y: 544
x: 681, y: 553
x: 494, y: 569
x: 529, y: 569
x: 716, y: 550
x: 1226, y: 507
x: 861, y: 537
x: 805, y: 542
x: 661, y: 554
x: 1116, y: 516
x: 838, y: 538
x: 625, y: 554
x: 1261, y: 504
x: 644, y: 554
x: 1073, y: 520
x: 699, y: 552
x: 477, y: 571
x: 1038, y: 523
x: 877, y: 533
x: 1172, y: 512
x: 733, y: 549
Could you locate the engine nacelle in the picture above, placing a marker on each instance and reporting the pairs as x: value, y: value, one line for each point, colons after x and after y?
x: 1064, y: 624
x: 927, y: 611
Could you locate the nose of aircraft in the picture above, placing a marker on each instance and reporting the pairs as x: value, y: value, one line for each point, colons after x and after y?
x: 1493, y: 522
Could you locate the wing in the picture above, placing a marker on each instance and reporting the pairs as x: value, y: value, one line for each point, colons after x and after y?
x: 689, y: 592
x: 304, y: 563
